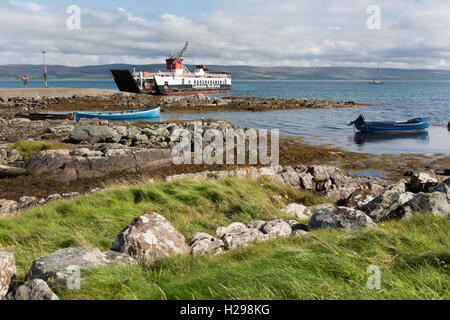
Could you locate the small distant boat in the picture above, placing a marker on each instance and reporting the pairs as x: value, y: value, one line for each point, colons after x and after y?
x: 120, y: 115
x: 46, y: 116
x: 380, y: 76
x: 408, y: 126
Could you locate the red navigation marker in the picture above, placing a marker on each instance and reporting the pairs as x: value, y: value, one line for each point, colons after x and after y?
x: 25, y: 80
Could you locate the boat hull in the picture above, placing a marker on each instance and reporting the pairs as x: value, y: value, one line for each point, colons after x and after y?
x: 47, y: 116
x: 119, y: 115
x: 410, y: 126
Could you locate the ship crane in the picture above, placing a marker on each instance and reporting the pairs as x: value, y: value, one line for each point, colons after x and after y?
x: 182, y: 51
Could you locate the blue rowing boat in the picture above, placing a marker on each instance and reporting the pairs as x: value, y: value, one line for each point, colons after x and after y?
x: 408, y: 126
x: 119, y: 115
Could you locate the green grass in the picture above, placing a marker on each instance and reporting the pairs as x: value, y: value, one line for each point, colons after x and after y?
x: 413, y: 257
x: 413, y: 254
x: 95, y: 220
x: 29, y: 148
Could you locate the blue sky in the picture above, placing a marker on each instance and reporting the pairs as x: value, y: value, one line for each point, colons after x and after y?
x: 320, y: 33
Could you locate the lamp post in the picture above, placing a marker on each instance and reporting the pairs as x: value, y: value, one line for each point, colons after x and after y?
x: 45, y: 68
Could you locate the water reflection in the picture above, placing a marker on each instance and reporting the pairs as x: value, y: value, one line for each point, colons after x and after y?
x: 152, y: 119
x: 361, y: 138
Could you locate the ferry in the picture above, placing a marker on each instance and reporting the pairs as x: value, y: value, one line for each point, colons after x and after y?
x: 177, y: 80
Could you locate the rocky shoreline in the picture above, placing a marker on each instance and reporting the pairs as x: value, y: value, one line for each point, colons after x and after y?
x: 42, y: 158
x: 169, y: 104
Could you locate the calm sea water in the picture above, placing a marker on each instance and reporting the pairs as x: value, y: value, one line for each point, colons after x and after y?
x: 401, y: 100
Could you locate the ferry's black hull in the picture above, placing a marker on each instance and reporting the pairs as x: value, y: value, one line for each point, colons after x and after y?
x: 189, y: 89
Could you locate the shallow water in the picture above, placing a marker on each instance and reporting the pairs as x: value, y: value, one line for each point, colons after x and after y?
x: 329, y: 126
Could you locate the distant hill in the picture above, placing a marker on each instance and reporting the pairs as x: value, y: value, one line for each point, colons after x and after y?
x: 58, y: 72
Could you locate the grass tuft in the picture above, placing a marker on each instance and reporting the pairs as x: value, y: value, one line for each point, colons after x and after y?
x: 29, y: 148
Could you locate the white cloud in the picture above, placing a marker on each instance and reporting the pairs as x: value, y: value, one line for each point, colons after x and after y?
x: 414, y: 34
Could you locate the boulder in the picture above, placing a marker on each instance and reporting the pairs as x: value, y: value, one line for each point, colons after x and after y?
x: 92, y: 134
x: 390, y: 200
x: 8, y: 171
x: 323, y: 172
x: 422, y: 182
x: 65, y: 165
x: 256, y: 224
x: 435, y: 202
x: 307, y: 182
x: 204, y: 243
x: 297, y: 210
x: 8, y: 207
x: 443, y: 188
x: 359, y: 199
x: 7, y: 272
x: 235, y: 227
x: 56, y: 268
x: 344, y: 218
x: 243, y: 238
x: 291, y: 178
x: 277, y: 228
x: 26, y: 202
x: 9, y: 156
x: 150, y: 237
x: 33, y: 290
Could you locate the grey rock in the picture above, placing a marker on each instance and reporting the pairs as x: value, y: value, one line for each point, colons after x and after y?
x: 235, y: 227
x: 26, y: 202
x: 443, y: 188
x: 92, y: 134
x: 435, y: 202
x: 9, y: 156
x: 277, y: 228
x: 8, y: 207
x: 114, y: 257
x: 344, y: 218
x: 422, y: 182
x: 204, y: 243
x: 323, y: 172
x: 57, y: 267
x: 256, y: 224
x: 150, y: 237
x: 297, y: 210
x: 7, y: 272
x: 8, y: 171
x: 307, y: 181
x: 359, y: 199
x: 291, y: 178
x: 53, y: 197
x: 36, y: 289
x: 390, y: 200
x: 243, y: 238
